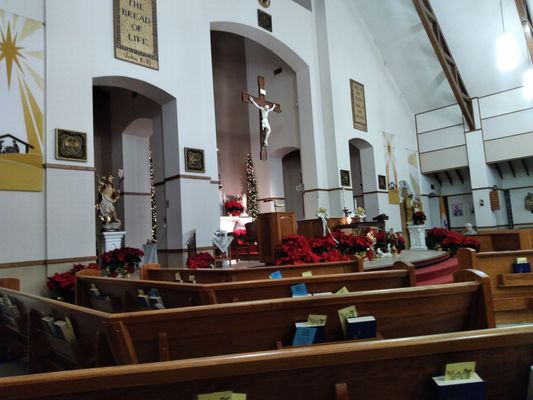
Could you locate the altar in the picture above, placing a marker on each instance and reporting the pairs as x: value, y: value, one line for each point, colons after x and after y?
x: 231, y: 223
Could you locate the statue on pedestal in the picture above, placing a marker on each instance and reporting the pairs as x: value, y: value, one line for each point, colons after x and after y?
x: 108, y: 196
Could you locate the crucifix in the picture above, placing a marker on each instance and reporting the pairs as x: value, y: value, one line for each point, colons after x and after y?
x: 265, y: 107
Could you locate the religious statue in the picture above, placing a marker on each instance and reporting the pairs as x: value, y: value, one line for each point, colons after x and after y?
x: 265, y: 125
x: 108, y: 196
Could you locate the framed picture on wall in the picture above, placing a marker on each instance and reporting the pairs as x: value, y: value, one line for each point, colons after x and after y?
x: 71, y: 145
x: 382, y: 182
x: 345, y: 177
x: 194, y: 160
x: 357, y: 91
x: 457, y: 209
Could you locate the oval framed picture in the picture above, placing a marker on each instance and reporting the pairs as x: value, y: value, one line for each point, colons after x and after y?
x: 264, y: 3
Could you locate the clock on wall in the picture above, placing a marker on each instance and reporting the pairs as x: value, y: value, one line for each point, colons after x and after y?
x: 264, y: 3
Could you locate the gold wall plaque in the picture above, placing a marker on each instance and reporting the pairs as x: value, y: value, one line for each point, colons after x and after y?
x: 357, y: 91
x: 136, y: 32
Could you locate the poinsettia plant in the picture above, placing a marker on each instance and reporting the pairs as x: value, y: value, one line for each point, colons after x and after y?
x: 61, y: 285
x: 121, y: 262
x: 449, y: 240
x: 200, y: 260
x: 419, y: 217
x: 234, y: 207
x: 240, y: 236
x: 297, y: 249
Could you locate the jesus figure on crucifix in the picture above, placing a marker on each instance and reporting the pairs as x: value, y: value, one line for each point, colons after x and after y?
x: 265, y: 125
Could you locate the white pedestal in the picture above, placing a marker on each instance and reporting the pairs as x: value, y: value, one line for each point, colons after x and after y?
x: 111, y: 240
x: 417, y: 235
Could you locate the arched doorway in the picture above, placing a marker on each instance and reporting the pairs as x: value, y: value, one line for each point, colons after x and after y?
x: 364, y: 177
x: 292, y: 184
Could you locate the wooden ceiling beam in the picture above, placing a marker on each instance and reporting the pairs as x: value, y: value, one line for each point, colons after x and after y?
x: 460, y: 176
x: 510, y: 163
x: 445, y: 57
x: 523, y: 14
x: 499, y: 170
x: 524, y: 164
x: 436, y: 176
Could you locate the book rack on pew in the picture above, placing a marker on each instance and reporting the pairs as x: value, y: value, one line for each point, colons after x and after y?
x: 378, y: 370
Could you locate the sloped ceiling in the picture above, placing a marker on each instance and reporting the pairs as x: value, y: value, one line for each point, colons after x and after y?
x: 471, y: 28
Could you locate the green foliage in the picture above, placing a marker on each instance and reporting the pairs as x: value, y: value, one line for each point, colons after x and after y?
x: 251, y: 188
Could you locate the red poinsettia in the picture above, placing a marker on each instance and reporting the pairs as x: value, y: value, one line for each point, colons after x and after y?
x: 240, y: 236
x: 450, y: 240
x: 419, y: 217
x: 61, y: 285
x: 121, y: 262
x: 234, y: 207
x: 200, y: 260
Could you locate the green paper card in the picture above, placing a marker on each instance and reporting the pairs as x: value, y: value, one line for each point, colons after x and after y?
x: 316, y: 320
x: 307, y: 273
x: 463, y: 370
x: 342, y: 290
x: 344, y: 314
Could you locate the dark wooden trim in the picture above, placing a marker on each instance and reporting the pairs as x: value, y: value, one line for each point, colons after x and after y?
x: 268, y: 199
x: 181, y: 251
x: 55, y: 261
x: 376, y: 191
x: 135, y: 194
x: 439, y: 129
x: 186, y: 176
x: 445, y: 57
x: 69, y: 167
x: 458, y: 172
x: 214, y: 182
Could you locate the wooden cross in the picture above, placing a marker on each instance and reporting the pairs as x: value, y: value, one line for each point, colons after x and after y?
x: 262, y: 101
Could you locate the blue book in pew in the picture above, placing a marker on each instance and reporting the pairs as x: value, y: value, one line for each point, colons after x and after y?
x: 459, y: 389
x: 299, y: 290
x: 521, y: 268
x: 304, y: 336
x: 275, y: 275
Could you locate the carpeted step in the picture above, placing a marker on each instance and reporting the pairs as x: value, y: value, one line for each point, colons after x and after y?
x: 437, y: 274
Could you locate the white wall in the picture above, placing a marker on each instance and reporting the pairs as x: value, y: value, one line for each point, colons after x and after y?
x: 352, y: 55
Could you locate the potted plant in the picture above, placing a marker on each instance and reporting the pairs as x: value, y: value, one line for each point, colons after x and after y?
x: 121, y: 262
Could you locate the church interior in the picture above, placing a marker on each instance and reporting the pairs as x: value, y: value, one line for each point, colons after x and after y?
x: 266, y: 199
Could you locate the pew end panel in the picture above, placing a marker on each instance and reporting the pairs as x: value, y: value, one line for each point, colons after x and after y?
x: 144, y: 272
x: 409, y: 267
x: 466, y: 258
x: 10, y: 283
x: 482, y: 312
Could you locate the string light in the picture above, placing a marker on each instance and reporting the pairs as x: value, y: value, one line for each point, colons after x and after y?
x: 251, y: 188
x: 152, y: 198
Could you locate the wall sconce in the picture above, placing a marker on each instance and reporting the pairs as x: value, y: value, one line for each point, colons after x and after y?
x: 481, y: 203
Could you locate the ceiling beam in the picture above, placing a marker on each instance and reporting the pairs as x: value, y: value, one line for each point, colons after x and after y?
x: 447, y: 62
x: 449, y: 177
x: 436, y: 175
x: 510, y: 163
x: 523, y: 14
x: 460, y: 176
x: 499, y: 170
x: 525, y: 166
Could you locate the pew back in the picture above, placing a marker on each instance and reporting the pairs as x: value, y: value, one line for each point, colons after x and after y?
x: 508, y: 239
x: 255, y: 326
x: 247, y: 274
x: 120, y: 295
x: 47, y: 352
x: 512, y: 293
x: 383, y: 370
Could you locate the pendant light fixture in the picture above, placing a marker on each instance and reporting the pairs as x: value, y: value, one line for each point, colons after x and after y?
x: 506, y: 49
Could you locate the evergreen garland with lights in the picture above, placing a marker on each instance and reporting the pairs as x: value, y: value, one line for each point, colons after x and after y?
x: 251, y: 188
x: 152, y: 199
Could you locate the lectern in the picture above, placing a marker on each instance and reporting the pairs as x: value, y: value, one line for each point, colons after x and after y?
x: 271, y: 228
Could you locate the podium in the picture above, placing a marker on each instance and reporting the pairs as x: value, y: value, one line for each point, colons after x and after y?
x: 311, y: 228
x: 271, y: 228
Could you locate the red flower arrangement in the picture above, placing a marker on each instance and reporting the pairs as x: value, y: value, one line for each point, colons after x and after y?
x: 419, y: 217
x: 61, y: 285
x: 200, y: 260
x: 234, y: 207
x: 450, y: 240
x: 297, y: 249
x: 121, y: 262
x: 240, y: 236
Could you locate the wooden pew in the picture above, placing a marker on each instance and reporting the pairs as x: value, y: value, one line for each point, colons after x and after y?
x: 508, y: 239
x: 47, y: 352
x: 10, y: 283
x: 382, y: 370
x: 190, y: 332
x: 512, y: 293
x: 122, y: 293
x: 156, y: 273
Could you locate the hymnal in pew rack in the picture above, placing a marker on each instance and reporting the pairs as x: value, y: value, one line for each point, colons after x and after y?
x: 459, y: 382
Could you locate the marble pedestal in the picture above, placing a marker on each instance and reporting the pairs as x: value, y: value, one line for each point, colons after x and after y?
x: 111, y: 240
x: 417, y: 236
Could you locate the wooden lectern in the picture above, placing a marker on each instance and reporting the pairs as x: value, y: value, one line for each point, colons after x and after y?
x: 271, y: 228
x: 311, y: 228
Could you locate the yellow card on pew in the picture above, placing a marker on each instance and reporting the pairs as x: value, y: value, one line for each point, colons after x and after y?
x: 344, y: 314
x: 177, y: 277
x: 316, y: 320
x: 222, y: 396
x: 307, y: 273
x: 521, y: 260
x: 462, y: 370
x: 342, y: 290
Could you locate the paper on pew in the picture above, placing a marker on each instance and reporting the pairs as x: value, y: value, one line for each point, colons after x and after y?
x: 342, y: 290
x: 344, y: 314
x: 462, y: 370
x: 222, y: 396
x: 316, y: 320
x: 307, y: 273
x: 521, y: 260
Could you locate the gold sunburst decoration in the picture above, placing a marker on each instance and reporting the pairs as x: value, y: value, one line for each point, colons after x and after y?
x: 22, y: 100
x: 391, y: 172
